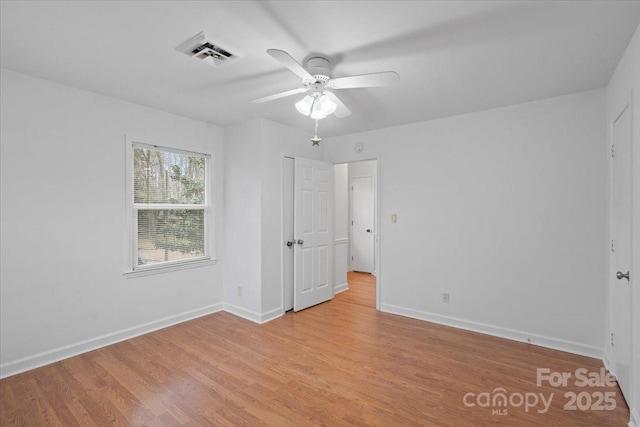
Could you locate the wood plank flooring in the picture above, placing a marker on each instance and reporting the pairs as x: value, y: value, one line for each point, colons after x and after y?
x: 338, y: 363
x: 362, y: 289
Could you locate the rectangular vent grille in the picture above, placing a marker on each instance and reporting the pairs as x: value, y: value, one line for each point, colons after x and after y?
x: 201, y: 48
x: 212, y: 50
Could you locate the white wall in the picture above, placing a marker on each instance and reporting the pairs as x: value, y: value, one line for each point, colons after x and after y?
x: 504, y: 209
x: 242, y: 202
x: 63, y: 223
x: 253, y: 210
x: 363, y: 168
x: 625, y: 79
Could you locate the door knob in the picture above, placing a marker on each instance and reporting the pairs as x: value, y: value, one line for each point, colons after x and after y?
x: 368, y: 230
x: 300, y: 242
x: 620, y: 275
x: 289, y: 244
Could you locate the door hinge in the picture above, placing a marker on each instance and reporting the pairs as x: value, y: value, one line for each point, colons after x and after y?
x: 351, y: 257
x: 612, y: 344
x: 613, y: 248
x: 613, y: 151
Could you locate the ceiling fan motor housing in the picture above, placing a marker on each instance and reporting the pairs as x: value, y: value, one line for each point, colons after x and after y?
x: 318, y: 67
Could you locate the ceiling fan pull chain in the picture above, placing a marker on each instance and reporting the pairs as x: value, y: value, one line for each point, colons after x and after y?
x: 315, y: 141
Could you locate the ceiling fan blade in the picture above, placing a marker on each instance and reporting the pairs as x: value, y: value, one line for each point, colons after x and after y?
x: 341, y: 110
x: 386, y: 78
x: 279, y: 95
x: 285, y: 59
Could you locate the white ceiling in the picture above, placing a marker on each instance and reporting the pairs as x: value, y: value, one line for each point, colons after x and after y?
x: 453, y: 57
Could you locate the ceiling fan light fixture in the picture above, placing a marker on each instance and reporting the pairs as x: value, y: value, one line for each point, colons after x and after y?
x: 327, y: 105
x: 304, y: 105
x: 316, y: 110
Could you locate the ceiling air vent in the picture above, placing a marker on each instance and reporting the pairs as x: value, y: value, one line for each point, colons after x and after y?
x: 201, y: 48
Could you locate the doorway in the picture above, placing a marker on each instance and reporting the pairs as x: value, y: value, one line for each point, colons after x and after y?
x: 342, y: 207
x: 356, y: 225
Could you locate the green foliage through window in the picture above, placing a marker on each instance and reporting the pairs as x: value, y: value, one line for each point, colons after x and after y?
x: 170, y: 196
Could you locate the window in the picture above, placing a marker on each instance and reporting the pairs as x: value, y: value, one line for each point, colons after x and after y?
x: 168, y: 195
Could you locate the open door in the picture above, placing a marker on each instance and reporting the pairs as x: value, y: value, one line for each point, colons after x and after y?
x: 621, y: 252
x: 362, y: 219
x: 313, y: 233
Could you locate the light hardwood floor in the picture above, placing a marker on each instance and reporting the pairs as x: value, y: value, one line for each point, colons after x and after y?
x: 338, y: 363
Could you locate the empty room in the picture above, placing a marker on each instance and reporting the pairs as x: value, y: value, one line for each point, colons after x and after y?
x: 301, y: 213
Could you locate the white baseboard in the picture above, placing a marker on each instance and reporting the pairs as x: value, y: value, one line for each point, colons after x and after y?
x: 247, y: 314
x: 253, y: 316
x: 498, y: 331
x: 60, y: 353
x: 55, y: 355
x: 276, y: 313
x: 341, y: 288
x: 45, y: 358
x: 606, y: 361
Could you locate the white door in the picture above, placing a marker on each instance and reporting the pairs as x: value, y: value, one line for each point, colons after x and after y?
x: 362, y: 224
x: 621, y: 247
x: 313, y: 232
x: 288, y: 241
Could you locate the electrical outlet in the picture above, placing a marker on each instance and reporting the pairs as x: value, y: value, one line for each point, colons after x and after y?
x: 239, y: 291
x: 445, y: 297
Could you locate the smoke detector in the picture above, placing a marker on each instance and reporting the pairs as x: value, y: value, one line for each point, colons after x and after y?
x: 200, y: 47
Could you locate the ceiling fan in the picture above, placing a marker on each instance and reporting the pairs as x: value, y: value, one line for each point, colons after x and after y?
x: 318, y: 82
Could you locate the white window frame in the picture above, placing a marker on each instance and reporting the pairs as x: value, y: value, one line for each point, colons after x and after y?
x: 132, y: 268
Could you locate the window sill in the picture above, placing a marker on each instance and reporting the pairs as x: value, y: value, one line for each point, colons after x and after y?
x: 147, y: 271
